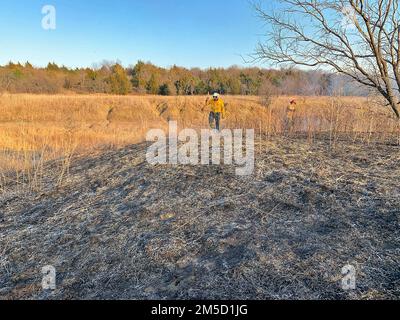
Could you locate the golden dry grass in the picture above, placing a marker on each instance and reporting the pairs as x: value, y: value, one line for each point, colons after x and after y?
x: 38, y: 128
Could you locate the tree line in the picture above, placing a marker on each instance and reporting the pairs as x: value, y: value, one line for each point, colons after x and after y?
x: 146, y: 78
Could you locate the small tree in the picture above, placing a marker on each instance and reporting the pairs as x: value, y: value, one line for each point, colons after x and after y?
x: 152, y: 85
x: 118, y: 80
x: 138, y: 81
x: 28, y: 65
x: 52, y: 67
x: 164, y: 90
x: 201, y: 87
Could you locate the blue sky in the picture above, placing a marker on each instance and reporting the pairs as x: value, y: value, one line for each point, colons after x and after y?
x: 190, y: 33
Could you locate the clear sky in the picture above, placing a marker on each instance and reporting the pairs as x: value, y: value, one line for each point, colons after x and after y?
x: 190, y: 33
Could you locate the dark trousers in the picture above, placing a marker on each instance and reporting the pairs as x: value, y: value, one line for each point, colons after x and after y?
x: 214, y: 117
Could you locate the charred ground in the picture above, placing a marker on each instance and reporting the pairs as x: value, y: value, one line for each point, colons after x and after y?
x: 120, y: 228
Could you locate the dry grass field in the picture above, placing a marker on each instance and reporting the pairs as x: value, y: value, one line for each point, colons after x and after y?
x: 38, y: 128
x: 78, y: 194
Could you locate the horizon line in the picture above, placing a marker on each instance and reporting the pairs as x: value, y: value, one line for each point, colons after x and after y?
x: 105, y: 62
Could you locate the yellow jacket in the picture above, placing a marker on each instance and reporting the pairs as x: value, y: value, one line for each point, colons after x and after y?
x: 217, y: 106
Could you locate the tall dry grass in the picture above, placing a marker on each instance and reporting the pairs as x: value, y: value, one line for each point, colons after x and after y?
x: 37, y: 128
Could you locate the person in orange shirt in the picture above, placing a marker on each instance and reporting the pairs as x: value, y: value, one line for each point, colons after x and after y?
x: 217, y: 111
x: 290, y: 112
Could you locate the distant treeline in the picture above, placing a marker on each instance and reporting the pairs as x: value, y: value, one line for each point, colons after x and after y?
x: 146, y: 78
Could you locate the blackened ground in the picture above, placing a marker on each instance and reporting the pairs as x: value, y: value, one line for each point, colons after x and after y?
x: 120, y: 228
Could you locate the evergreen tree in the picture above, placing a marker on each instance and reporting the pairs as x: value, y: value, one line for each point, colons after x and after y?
x: 152, y: 86
x: 164, y: 90
x: 118, y: 80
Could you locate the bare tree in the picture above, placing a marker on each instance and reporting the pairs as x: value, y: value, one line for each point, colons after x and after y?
x: 358, y: 38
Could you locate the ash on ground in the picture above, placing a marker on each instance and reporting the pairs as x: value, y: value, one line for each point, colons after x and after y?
x: 119, y: 228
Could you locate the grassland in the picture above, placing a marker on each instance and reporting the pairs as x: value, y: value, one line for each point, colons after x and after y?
x: 38, y: 128
x: 78, y: 194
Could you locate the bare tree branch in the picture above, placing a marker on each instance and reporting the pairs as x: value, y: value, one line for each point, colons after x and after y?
x: 357, y: 38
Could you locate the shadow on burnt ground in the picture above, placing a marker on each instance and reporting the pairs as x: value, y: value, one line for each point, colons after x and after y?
x: 120, y: 228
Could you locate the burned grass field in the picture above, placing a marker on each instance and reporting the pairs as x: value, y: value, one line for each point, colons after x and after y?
x: 119, y: 228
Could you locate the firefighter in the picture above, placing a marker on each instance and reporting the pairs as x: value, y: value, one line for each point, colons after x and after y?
x: 217, y: 111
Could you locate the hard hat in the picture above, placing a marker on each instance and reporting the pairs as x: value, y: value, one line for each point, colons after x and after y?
x: 216, y: 95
